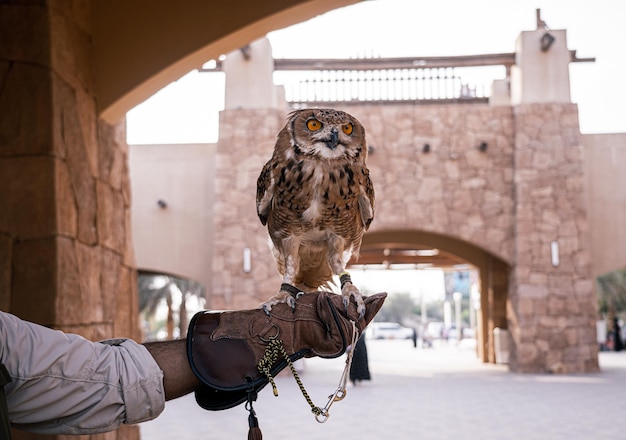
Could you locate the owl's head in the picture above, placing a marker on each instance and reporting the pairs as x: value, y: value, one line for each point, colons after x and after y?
x: 326, y: 134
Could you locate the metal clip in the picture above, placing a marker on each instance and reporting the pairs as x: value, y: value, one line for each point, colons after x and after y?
x: 336, y: 397
x: 341, y: 391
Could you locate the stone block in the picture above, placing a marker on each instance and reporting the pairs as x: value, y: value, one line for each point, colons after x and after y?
x: 88, y: 259
x: 72, y: 304
x: 25, y: 34
x: 79, y: 154
x: 556, y: 306
x: 34, y: 292
x: 532, y: 291
x: 25, y: 112
x: 127, y: 312
x: 571, y: 336
x: 71, y: 50
x: 66, y: 203
x: 27, y: 198
x: 557, y: 342
x: 583, y: 286
x: 129, y: 251
x: 526, y: 307
x: 111, y: 218
x: 110, y: 264
x: 527, y: 356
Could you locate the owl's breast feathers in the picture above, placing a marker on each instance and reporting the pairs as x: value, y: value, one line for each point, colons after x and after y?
x: 296, y: 196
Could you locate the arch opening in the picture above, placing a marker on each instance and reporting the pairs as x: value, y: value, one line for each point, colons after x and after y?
x: 419, y: 250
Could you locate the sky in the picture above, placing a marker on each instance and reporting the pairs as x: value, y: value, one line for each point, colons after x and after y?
x: 186, y: 111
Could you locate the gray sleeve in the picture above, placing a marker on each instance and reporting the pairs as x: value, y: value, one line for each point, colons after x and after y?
x: 65, y: 384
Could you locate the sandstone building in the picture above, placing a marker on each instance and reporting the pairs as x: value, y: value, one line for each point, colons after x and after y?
x: 505, y: 184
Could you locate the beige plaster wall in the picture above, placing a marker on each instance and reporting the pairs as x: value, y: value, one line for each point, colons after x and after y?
x: 605, y: 177
x: 178, y: 238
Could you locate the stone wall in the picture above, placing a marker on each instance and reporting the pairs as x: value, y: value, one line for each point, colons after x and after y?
x: 454, y: 189
x: 66, y: 257
x: 511, y: 198
x: 246, y: 142
x: 553, y: 309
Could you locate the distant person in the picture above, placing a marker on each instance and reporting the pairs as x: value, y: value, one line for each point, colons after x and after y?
x: 359, y: 370
x: 414, y: 337
x: 618, y: 343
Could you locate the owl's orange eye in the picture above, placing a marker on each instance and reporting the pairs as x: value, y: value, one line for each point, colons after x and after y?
x: 313, y: 124
x: 347, y: 128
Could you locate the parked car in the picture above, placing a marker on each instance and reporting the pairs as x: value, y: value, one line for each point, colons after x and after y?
x: 389, y: 330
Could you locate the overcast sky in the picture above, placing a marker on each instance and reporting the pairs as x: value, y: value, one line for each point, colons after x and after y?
x: 186, y: 110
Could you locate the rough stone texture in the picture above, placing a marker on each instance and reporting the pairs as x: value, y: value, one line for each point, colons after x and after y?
x: 66, y: 256
x: 454, y: 189
x: 241, y: 153
x: 553, y: 308
x: 512, y: 200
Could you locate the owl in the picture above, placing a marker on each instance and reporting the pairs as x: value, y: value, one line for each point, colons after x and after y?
x: 316, y: 198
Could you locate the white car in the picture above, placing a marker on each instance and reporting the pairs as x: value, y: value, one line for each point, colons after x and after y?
x: 389, y: 330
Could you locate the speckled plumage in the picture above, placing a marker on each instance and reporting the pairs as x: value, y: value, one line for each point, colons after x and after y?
x: 316, y: 198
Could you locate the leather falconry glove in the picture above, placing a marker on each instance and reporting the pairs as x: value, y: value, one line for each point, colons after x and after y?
x: 225, y: 348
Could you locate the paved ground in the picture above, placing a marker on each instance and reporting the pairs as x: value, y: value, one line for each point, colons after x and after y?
x: 431, y: 394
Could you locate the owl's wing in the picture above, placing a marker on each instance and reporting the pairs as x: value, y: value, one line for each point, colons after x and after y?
x: 366, y: 200
x: 264, y: 193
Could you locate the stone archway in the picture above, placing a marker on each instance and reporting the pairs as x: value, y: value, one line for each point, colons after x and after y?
x: 493, y: 272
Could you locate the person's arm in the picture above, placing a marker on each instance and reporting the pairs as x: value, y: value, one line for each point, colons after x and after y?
x: 171, y: 356
x: 62, y: 383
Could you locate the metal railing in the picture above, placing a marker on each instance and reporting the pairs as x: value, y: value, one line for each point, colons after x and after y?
x: 388, y: 85
x: 412, y: 80
x: 388, y: 80
x: 394, y: 80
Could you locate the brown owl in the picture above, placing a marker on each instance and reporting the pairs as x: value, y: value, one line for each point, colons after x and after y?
x: 316, y: 198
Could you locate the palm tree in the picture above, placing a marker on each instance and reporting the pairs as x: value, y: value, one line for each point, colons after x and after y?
x: 154, y: 289
x: 612, y: 294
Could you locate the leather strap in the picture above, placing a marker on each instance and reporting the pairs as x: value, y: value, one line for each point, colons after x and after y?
x: 293, y: 291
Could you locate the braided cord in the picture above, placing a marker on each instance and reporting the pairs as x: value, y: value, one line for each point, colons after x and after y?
x: 275, y: 349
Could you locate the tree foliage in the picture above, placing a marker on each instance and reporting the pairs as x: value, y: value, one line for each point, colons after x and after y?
x: 612, y: 292
x: 397, y: 308
x: 154, y: 289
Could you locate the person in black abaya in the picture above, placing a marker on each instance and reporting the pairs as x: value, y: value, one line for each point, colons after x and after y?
x: 359, y: 370
x: 618, y: 344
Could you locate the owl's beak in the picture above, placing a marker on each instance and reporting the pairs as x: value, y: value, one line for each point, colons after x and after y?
x: 334, y: 139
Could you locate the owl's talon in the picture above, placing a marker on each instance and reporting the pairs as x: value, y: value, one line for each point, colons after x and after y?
x: 361, y: 310
x: 291, y: 302
x: 282, y: 297
x: 348, y: 291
